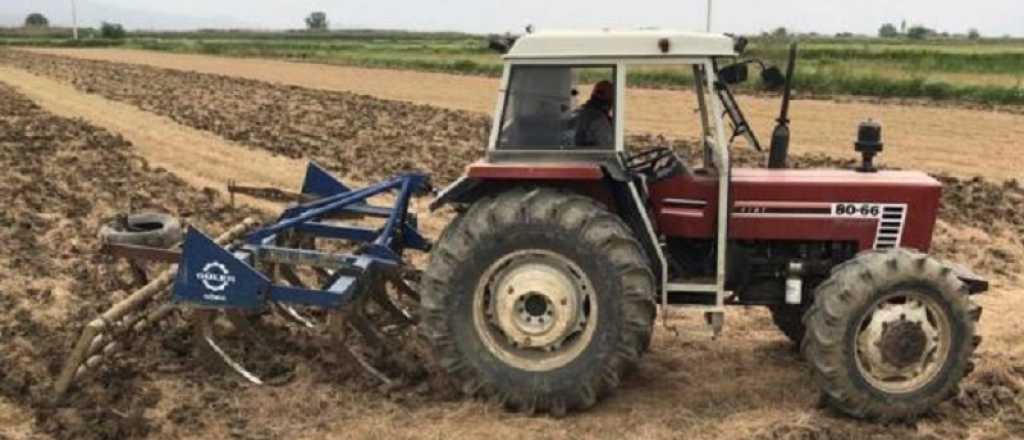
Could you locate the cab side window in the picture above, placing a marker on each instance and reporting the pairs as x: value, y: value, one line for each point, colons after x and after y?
x: 542, y: 110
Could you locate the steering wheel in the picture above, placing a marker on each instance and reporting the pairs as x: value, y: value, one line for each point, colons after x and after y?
x: 655, y: 164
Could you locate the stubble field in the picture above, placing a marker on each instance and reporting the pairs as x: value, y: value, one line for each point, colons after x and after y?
x: 65, y: 176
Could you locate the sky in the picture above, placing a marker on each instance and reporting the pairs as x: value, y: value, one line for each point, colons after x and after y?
x: 991, y: 17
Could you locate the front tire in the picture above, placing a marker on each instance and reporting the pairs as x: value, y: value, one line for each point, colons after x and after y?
x: 539, y: 299
x: 890, y: 335
x: 789, y: 319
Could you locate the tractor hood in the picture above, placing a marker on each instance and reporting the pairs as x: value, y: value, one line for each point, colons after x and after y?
x: 877, y: 210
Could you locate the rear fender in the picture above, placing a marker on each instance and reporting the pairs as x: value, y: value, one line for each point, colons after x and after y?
x: 485, y: 178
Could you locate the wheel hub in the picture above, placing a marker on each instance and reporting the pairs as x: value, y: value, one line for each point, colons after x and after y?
x: 903, y: 341
x: 535, y: 310
x: 536, y: 305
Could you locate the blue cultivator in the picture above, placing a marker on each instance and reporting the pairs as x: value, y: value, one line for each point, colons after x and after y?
x: 331, y: 254
x: 243, y: 280
x: 211, y: 276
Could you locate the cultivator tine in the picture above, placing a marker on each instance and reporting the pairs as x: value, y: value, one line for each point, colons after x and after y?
x: 379, y: 332
x: 105, y: 335
x: 204, y: 321
x: 286, y: 311
x: 338, y: 328
x: 387, y: 381
x: 291, y: 315
x: 400, y: 315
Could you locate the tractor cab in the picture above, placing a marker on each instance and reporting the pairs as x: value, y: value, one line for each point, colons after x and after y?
x: 561, y: 119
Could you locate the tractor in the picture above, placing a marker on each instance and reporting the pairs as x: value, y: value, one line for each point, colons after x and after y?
x: 542, y: 293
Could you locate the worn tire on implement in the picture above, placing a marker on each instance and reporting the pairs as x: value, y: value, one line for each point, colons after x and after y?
x: 144, y: 229
x: 465, y: 274
x: 872, y: 312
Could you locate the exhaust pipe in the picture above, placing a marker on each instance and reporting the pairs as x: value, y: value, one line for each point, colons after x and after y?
x: 779, y: 154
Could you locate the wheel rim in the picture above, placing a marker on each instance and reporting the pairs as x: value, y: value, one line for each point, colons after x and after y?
x: 902, y: 342
x: 535, y: 310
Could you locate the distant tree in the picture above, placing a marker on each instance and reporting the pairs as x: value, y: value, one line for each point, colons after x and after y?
x: 973, y: 34
x: 36, y: 19
x: 919, y: 32
x: 112, y: 31
x: 888, y: 30
x: 317, y: 21
x: 780, y: 32
x: 903, y: 26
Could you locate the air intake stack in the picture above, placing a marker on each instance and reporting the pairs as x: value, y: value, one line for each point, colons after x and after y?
x: 869, y: 144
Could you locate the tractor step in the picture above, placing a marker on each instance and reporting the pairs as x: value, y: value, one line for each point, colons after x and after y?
x: 713, y: 319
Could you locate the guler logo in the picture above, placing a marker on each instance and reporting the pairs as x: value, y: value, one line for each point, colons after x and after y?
x: 215, y: 276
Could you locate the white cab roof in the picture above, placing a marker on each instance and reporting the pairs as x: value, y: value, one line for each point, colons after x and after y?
x: 621, y: 44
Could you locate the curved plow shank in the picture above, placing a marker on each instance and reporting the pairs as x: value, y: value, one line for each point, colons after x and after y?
x: 204, y: 322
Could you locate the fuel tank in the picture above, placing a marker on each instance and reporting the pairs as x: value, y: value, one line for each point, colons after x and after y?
x: 877, y: 210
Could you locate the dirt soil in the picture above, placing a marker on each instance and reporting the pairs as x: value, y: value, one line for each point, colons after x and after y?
x: 748, y: 384
x: 62, y: 179
x: 361, y: 137
x: 957, y: 141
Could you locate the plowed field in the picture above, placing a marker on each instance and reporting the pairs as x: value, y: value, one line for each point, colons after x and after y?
x: 63, y: 177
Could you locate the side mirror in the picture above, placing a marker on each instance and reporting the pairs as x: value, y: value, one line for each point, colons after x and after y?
x: 733, y: 74
x: 772, y: 78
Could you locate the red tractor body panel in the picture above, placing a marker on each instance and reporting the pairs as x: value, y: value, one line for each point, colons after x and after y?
x: 785, y: 204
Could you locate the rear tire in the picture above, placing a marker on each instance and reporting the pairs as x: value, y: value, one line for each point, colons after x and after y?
x: 557, y: 246
x: 890, y: 335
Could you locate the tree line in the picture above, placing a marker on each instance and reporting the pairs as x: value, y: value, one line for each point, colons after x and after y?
x: 317, y: 21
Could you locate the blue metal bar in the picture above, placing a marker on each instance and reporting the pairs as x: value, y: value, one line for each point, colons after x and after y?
x: 316, y: 209
x: 398, y: 213
x: 327, y: 260
x: 338, y: 232
x: 352, y: 196
x: 368, y: 210
x: 320, y: 298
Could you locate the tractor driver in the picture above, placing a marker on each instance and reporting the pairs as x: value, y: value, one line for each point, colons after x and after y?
x: 594, y: 127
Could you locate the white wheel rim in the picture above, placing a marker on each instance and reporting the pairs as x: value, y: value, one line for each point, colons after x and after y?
x: 535, y: 310
x: 902, y: 342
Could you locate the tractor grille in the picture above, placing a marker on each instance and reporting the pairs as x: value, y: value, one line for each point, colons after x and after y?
x: 890, y: 226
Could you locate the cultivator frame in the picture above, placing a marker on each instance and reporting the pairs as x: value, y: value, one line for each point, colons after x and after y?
x: 258, y: 274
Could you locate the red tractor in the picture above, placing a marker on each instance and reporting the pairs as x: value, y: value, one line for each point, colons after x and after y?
x: 543, y: 292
